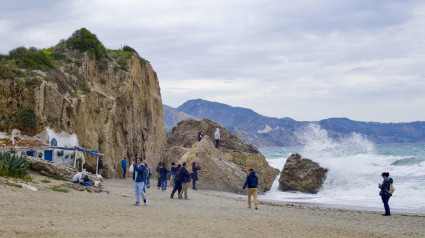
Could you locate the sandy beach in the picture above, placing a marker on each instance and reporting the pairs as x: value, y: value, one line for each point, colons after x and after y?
x: 46, y: 213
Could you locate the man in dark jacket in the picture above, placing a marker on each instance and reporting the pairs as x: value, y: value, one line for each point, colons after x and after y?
x: 185, y: 175
x: 139, y: 178
x: 252, y: 183
x: 100, y: 166
x: 124, y: 167
x: 385, y: 192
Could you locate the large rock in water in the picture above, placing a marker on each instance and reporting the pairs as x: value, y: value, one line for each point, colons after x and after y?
x: 218, y: 172
x: 302, y: 175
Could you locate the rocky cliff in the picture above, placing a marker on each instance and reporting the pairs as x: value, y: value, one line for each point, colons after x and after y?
x: 110, y: 99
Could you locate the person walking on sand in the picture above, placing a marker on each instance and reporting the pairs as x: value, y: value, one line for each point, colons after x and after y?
x: 185, y: 180
x: 100, y: 166
x: 195, y: 174
x: 386, y: 192
x: 217, y: 137
x: 124, y: 167
x: 139, y: 178
x: 252, y: 183
x: 163, y: 171
x: 158, y: 167
x: 177, y: 182
x: 172, y: 170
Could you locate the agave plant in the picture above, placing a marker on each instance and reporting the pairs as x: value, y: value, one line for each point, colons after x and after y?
x: 13, y: 165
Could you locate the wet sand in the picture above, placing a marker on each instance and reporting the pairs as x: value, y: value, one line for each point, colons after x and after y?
x: 46, y: 213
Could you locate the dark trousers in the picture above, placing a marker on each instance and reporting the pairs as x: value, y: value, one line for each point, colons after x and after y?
x: 124, y: 172
x: 194, y: 183
x: 177, y: 187
x: 385, y: 199
x: 159, y: 183
x: 217, y: 143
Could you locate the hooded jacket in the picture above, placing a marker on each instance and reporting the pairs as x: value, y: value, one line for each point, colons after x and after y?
x: 251, y: 180
x: 139, y: 173
x: 217, y: 134
x: 79, y: 177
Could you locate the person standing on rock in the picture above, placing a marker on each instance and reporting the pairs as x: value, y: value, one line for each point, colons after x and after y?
x: 100, y: 166
x: 177, y: 182
x: 185, y: 180
x: 200, y: 135
x: 163, y: 171
x: 217, y: 137
x: 124, y: 167
x: 195, y: 174
x: 386, y: 192
x: 252, y: 183
x: 139, y: 181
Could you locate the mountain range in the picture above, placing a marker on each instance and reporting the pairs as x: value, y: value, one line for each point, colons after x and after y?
x: 263, y: 131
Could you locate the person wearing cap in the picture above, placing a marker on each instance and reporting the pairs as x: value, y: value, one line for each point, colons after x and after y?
x: 79, y: 177
x: 252, y: 183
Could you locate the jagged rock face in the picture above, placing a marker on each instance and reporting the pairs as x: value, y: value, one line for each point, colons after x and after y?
x: 174, y: 154
x: 234, y: 149
x: 245, y: 161
x: 51, y: 169
x: 301, y: 175
x: 121, y: 115
x: 218, y: 172
x: 186, y: 134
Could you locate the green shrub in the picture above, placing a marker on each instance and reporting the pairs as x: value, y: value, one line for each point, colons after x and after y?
x: 174, y: 128
x: 58, y: 55
x: 33, y: 82
x: 84, y: 87
x: 180, y: 122
x: 5, y: 71
x: 25, y: 119
x: 45, y: 181
x: 58, y: 177
x: 85, y: 41
x: 62, y: 190
x: 31, y: 58
x: 13, y: 165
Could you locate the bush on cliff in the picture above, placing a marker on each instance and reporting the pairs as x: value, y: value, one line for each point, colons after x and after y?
x: 85, y: 41
x: 25, y: 119
x: 31, y: 58
x: 13, y: 165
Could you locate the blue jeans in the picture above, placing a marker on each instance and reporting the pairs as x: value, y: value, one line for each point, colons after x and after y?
x: 148, y: 181
x: 138, y: 189
x: 164, y: 184
x: 385, y: 199
x: 194, y: 184
x: 217, y: 143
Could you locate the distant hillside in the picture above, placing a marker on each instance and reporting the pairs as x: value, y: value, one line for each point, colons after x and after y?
x: 268, y: 131
x: 172, y: 116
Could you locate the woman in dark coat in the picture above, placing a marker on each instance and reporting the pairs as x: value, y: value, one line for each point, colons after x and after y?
x: 195, y: 174
x: 177, y: 182
x: 158, y: 175
x: 163, y: 174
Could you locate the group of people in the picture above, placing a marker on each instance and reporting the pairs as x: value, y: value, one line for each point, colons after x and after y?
x: 216, y: 136
x: 82, y: 178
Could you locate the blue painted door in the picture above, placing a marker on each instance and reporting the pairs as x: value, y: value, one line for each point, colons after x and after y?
x: 30, y: 153
x: 48, y: 155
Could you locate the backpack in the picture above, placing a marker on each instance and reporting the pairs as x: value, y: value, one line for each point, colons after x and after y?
x: 171, y: 171
x: 392, y: 189
x: 177, y: 175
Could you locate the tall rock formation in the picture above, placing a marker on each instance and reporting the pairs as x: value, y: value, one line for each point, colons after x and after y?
x: 232, y: 150
x: 111, y: 101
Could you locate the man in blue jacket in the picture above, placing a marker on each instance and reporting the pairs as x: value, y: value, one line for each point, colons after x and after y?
x: 139, y: 178
x: 124, y: 167
x: 185, y: 175
x: 252, y: 183
x: 385, y: 192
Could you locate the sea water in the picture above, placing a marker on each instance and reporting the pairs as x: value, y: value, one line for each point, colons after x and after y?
x: 355, y: 166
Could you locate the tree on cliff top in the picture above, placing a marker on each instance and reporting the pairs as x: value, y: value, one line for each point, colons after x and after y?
x: 83, y: 40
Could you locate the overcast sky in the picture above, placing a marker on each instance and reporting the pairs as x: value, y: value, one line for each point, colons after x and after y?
x: 304, y: 59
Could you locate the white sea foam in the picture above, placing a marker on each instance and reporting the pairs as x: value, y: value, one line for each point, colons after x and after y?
x: 355, y: 167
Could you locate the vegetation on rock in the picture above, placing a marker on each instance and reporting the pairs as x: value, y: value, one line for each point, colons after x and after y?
x: 85, y: 41
x: 25, y: 119
x: 13, y: 165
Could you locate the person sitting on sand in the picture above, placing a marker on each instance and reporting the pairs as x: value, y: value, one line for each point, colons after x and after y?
x: 185, y: 180
x: 86, y: 181
x: 252, y: 183
x: 385, y: 192
x: 139, y: 178
x: 177, y: 182
x: 79, y: 177
x: 163, y: 171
